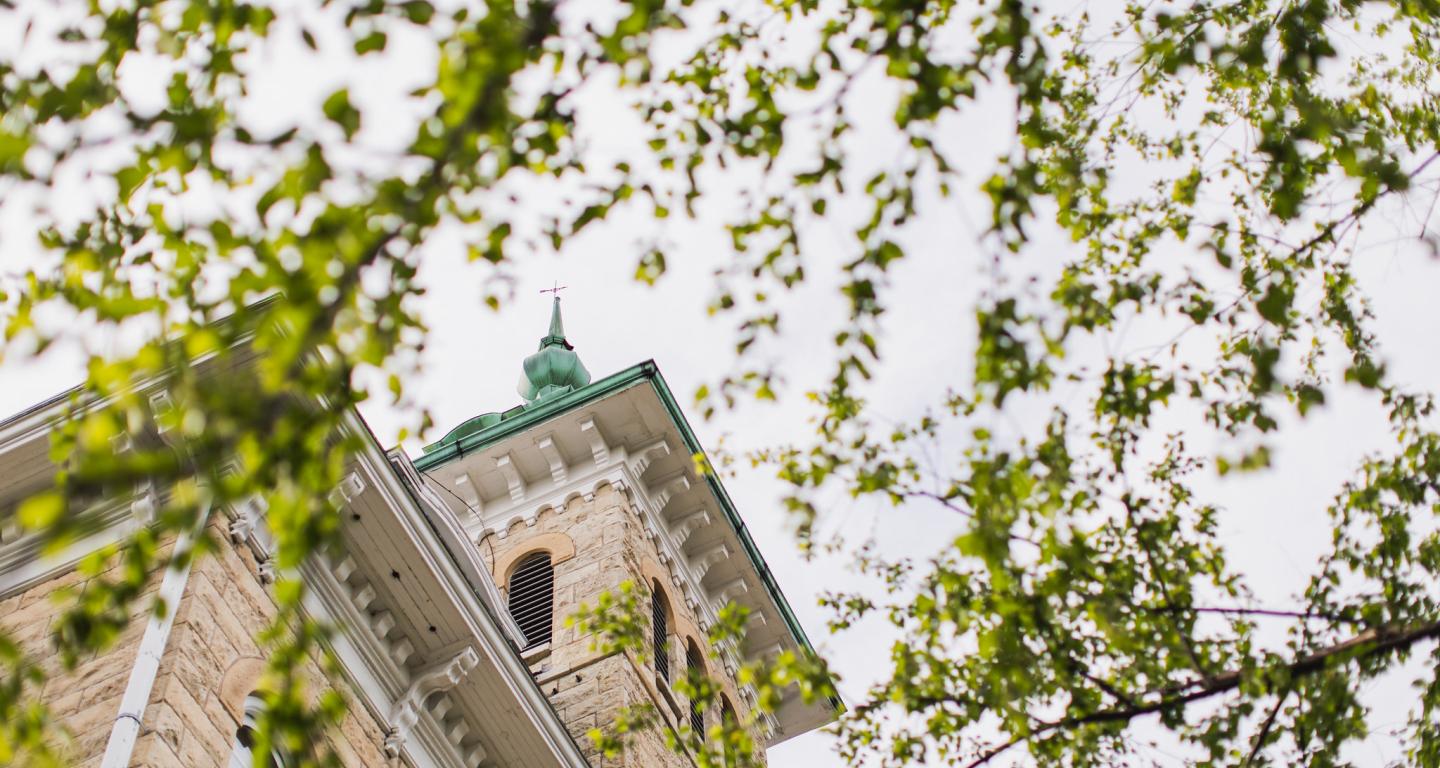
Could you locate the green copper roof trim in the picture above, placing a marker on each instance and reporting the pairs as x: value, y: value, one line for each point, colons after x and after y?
x: 646, y: 371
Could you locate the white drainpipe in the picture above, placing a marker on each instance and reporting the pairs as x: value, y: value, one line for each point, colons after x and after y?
x: 147, y: 661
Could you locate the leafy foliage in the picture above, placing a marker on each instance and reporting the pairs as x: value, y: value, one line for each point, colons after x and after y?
x: 1212, y: 166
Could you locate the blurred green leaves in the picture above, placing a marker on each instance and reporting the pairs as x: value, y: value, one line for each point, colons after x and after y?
x: 1208, y: 167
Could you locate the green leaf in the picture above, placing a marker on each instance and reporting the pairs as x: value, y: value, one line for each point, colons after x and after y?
x: 338, y: 110
x: 371, y: 43
x: 41, y: 511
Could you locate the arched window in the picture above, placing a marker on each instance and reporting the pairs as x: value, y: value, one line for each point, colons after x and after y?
x: 242, y: 750
x: 727, y: 711
x: 532, y: 597
x: 695, y: 665
x: 661, y: 629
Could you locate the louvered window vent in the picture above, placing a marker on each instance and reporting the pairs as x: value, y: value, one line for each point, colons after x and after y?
x: 532, y: 598
x: 696, y: 668
x: 662, y: 630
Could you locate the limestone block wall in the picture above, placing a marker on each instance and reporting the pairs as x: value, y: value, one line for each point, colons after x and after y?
x: 83, y: 700
x: 596, y: 542
x: 210, y: 665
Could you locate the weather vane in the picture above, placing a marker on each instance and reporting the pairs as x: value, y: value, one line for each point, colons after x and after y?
x: 556, y: 289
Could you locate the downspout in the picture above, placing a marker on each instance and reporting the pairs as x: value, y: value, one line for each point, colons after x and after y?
x: 152, y: 647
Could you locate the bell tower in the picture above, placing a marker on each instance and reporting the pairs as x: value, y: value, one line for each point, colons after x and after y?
x: 586, y: 485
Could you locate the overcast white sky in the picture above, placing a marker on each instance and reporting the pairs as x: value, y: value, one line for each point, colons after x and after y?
x: 1274, y: 523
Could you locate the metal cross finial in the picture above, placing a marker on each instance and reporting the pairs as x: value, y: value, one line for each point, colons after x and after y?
x: 556, y: 289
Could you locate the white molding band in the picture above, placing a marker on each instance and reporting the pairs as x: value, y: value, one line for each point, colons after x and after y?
x: 23, y: 564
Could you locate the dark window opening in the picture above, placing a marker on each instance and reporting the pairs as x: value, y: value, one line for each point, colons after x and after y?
x: 532, y: 598
x: 696, y: 666
x: 661, y: 632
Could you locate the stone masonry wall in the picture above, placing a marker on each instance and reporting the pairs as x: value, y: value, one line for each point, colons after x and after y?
x: 210, y: 664
x: 83, y: 700
x: 597, y: 543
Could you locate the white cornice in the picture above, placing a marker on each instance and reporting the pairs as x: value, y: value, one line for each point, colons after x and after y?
x: 493, y: 645
x: 460, y: 547
x: 23, y: 561
x: 338, y: 595
x: 623, y: 469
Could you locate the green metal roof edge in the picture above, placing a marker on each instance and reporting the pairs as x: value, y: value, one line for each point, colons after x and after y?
x: 647, y: 370
x: 475, y: 441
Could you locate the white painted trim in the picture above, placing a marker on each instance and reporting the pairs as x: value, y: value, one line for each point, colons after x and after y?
x: 462, y: 550
x: 408, y: 710
x: 363, y: 654
x: 493, y: 643
x: 373, y: 675
x: 24, y: 564
x: 621, y: 471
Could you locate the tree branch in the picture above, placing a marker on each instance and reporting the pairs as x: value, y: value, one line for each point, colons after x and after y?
x: 1264, y: 732
x: 1372, y: 642
x: 950, y: 505
x: 1264, y: 612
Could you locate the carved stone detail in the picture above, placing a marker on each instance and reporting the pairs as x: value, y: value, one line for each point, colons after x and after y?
x: 364, y: 596
x: 708, y: 559
x: 669, y: 490
x: 731, y: 590
x: 247, y: 520
x: 688, y: 524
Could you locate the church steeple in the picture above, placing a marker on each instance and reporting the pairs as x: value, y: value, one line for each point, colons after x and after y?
x: 554, y: 369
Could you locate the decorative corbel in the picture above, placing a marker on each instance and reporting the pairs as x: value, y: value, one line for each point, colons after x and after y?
x: 599, y: 450
x: 683, y: 527
x: 669, y: 490
x: 708, y: 559
x: 247, y: 519
x: 363, y: 597
x: 343, y: 569
x: 516, y: 483
x: 381, y: 622
x: 143, y: 508
x: 648, y: 455
x: 350, y: 487
x: 160, y: 405
x: 465, y: 488
x: 441, y: 677
x: 558, y: 470
x: 731, y: 590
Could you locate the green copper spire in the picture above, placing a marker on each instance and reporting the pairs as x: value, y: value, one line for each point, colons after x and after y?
x: 554, y: 369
